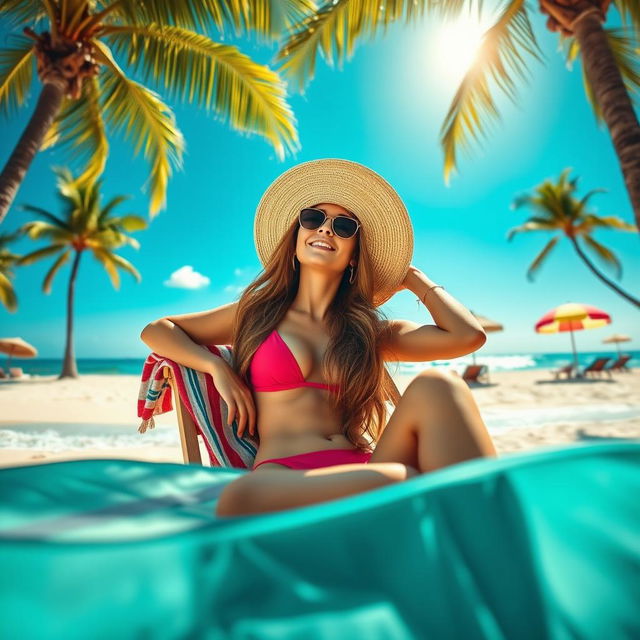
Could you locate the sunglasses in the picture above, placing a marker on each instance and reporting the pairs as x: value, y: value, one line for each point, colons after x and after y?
x: 342, y: 226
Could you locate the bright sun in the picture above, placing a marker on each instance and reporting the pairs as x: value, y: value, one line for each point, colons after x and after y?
x: 455, y: 45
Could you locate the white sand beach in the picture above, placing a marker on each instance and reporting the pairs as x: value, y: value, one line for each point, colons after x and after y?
x: 44, y: 419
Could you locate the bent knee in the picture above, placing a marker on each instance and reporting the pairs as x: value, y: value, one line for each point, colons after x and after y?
x: 436, y: 379
x: 234, y: 499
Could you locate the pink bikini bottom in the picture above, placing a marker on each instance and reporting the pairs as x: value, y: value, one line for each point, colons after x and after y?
x: 323, y: 458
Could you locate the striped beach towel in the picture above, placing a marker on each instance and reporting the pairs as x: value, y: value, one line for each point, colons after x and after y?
x: 203, y: 402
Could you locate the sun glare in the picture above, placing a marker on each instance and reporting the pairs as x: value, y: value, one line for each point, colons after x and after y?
x: 455, y: 46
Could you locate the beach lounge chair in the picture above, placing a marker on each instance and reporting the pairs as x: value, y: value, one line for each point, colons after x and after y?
x: 620, y: 364
x: 186, y: 425
x: 16, y: 372
x: 567, y: 370
x: 596, y: 368
x: 2, y: 373
x: 476, y: 373
x: 200, y: 409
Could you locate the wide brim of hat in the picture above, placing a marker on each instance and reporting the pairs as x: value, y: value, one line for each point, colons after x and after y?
x: 381, y: 211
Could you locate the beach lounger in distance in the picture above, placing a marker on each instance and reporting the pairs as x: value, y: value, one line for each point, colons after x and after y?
x: 567, y: 370
x: 620, y: 364
x: 596, y: 368
x: 476, y: 373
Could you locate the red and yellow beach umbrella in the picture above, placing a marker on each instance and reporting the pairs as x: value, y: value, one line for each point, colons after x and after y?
x: 572, y: 316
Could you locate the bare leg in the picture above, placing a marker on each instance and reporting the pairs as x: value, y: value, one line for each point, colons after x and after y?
x: 436, y: 423
x: 277, y: 488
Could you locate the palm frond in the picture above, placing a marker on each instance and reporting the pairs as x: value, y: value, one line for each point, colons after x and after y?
x: 192, y: 67
x: 624, y: 50
x: 605, y: 255
x: 501, y: 47
x: 629, y: 11
x: 110, y: 206
x: 45, y: 252
x: 129, y: 223
x: 537, y: 263
x: 583, y: 201
x: 45, y: 214
x: 37, y: 230
x: 79, y: 128
x: 340, y: 24
x: 106, y: 259
x: 46, y: 285
x: 126, y: 266
x: 7, y: 294
x: 16, y: 73
x: 606, y: 222
x: 15, y: 13
x: 146, y: 121
x: 265, y: 18
x: 7, y: 238
x: 531, y: 226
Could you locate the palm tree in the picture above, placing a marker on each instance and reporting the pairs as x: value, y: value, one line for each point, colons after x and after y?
x: 85, y: 92
x: 558, y: 210
x: 8, y: 295
x: 83, y: 225
x: 609, y: 57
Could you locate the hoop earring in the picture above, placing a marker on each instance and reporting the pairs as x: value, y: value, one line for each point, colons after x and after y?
x: 293, y: 261
x: 351, y: 278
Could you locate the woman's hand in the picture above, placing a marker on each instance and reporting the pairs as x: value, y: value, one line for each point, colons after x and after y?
x: 408, y: 279
x: 236, y: 394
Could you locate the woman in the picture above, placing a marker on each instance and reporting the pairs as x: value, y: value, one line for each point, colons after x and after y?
x: 308, y: 380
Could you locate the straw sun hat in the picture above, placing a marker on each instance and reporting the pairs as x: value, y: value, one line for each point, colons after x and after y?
x: 381, y: 211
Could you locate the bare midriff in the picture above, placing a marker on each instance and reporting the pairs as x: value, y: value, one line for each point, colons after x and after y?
x: 294, y: 421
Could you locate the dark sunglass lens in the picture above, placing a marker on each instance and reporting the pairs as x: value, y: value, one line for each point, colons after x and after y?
x: 311, y: 218
x: 344, y: 226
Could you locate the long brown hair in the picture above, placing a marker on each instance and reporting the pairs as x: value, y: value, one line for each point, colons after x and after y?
x: 355, y: 328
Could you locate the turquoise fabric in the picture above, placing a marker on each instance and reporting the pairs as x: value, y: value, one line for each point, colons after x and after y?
x: 542, y: 544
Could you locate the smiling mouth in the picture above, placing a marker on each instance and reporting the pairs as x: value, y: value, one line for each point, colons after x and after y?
x: 321, y: 248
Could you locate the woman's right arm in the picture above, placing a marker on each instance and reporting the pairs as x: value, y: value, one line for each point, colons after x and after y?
x: 179, y: 338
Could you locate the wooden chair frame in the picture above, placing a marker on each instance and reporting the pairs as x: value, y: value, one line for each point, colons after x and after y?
x: 188, y: 430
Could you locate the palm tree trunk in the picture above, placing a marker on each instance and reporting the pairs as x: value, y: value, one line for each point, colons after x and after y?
x: 604, y: 279
x: 613, y: 99
x: 30, y: 142
x: 69, y: 368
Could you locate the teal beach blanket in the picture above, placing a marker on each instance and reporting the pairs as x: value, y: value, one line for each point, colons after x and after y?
x: 541, y: 544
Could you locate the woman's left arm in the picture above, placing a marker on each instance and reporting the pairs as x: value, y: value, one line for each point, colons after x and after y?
x: 457, y: 331
x: 448, y: 313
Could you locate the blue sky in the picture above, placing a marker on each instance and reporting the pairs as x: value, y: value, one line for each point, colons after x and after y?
x: 384, y: 109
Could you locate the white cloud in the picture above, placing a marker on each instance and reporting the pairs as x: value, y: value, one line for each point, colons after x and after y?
x: 186, y: 278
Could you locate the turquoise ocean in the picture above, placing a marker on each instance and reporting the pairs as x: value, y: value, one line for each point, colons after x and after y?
x: 495, y: 362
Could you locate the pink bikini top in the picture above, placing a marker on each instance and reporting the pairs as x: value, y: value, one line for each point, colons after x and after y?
x: 273, y: 367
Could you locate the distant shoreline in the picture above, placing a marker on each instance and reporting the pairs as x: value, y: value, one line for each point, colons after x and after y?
x: 520, y: 361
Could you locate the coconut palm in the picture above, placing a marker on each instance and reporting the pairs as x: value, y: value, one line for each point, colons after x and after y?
x: 84, y: 225
x: 609, y: 61
x: 557, y: 209
x: 8, y: 295
x: 86, y: 96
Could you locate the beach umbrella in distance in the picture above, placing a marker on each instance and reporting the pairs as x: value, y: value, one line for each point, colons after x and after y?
x: 617, y: 338
x: 488, y: 326
x: 572, y: 316
x: 17, y: 347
